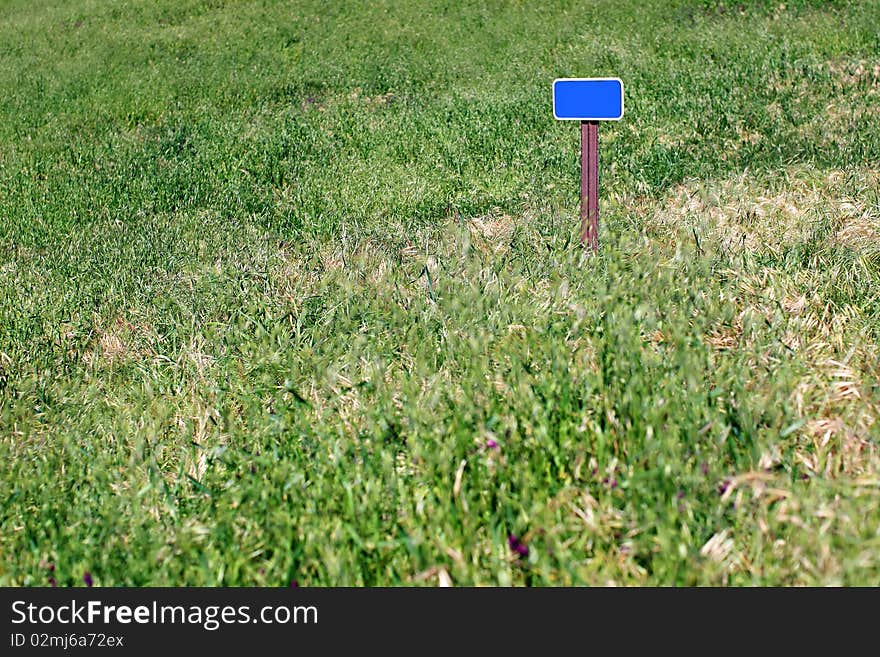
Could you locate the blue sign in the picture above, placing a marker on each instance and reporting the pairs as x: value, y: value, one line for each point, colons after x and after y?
x: 588, y: 99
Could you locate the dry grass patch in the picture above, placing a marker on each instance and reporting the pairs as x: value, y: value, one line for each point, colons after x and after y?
x: 855, y: 73
x: 738, y: 213
x: 119, y: 341
x: 835, y: 398
x: 492, y: 233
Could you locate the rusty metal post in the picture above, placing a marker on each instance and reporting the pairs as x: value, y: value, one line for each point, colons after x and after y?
x: 590, y: 184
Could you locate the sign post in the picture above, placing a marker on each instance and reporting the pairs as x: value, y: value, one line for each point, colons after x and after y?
x: 590, y: 184
x: 588, y: 100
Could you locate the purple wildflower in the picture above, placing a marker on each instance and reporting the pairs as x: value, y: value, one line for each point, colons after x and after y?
x: 517, y: 546
x: 491, y: 444
x: 294, y: 584
x: 87, y: 578
x: 680, y: 494
x: 52, y: 582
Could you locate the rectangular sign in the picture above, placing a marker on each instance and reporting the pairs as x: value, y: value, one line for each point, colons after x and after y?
x: 588, y: 99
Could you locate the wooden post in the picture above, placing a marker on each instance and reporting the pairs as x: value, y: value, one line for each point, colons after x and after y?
x: 590, y: 184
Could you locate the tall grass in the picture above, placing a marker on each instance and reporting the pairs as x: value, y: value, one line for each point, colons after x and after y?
x: 293, y: 293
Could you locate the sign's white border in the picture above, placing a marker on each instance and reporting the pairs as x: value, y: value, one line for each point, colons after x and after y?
x: 568, y: 118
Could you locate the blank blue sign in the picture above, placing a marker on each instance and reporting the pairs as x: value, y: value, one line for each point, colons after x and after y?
x: 588, y: 99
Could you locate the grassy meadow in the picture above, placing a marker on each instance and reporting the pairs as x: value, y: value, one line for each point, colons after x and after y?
x: 291, y: 293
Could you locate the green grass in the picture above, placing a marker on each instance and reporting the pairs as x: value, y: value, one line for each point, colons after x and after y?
x: 292, y: 291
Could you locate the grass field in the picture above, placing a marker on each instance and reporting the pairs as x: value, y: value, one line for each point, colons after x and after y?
x: 292, y: 293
